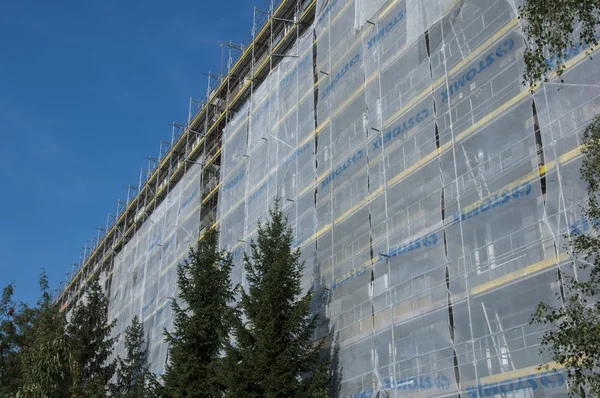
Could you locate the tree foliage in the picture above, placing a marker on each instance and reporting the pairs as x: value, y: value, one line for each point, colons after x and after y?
x: 133, y: 375
x: 43, y: 355
x: 274, y: 355
x: 9, y: 343
x: 552, y: 28
x: 574, y: 337
x: 45, y: 360
x: 202, y: 321
x: 90, y: 341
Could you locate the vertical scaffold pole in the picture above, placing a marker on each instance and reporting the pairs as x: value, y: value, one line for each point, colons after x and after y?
x: 171, y: 158
x: 270, y: 22
x: 188, y: 132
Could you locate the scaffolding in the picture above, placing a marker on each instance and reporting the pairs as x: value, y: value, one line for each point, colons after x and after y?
x: 428, y: 190
x: 176, y: 198
x: 196, y: 141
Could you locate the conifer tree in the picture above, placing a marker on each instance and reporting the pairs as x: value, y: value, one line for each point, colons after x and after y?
x: 202, y: 321
x: 133, y: 375
x: 88, y: 335
x: 45, y: 360
x: 274, y: 355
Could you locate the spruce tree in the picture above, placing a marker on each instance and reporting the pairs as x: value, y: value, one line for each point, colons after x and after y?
x: 202, y: 321
x: 45, y: 359
x: 88, y: 335
x: 274, y: 355
x: 133, y: 375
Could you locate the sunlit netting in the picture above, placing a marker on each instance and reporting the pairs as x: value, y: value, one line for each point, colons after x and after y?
x: 429, y: 192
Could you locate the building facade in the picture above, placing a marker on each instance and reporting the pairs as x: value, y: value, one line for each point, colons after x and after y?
x: 428, y: 189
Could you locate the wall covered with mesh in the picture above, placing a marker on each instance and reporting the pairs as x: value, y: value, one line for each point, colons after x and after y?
x: 429, y: 192
x: 145, y: 273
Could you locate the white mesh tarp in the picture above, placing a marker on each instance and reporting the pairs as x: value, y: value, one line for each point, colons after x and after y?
x: 435, y: 242
x: 429, y: 191
x: 144, y: 273
x: 277, y: 157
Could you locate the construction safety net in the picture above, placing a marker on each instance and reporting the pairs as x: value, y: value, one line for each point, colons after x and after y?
x: 430, y: 193
x: 144, y: 275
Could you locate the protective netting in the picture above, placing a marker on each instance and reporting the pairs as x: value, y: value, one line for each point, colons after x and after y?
x: 145, y: 273
x: 429, y: 191
x: 274, y: 135
x: 433, y: 235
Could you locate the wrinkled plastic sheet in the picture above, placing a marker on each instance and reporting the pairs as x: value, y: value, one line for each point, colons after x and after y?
x: 430, y: 204
x: 144, y: 273
x: 430, y: 213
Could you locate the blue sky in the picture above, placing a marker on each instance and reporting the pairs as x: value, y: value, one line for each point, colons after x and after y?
x: 87, y: 91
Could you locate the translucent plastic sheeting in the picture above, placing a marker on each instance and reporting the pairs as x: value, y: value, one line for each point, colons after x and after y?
x: 429, y: 192
x: 342, y: 197
x: 423, y: 14
x: 426, y: 137
x: 234, y: 164
x: 365, y: 9
x: 235, y: 142
x: 263, y: 151
x: 323, y: 7
x: 144, y: 273
x: 565, y: 110
x: 277, y: 161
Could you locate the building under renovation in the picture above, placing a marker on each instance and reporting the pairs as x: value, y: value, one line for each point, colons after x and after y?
x: 429, y: 190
